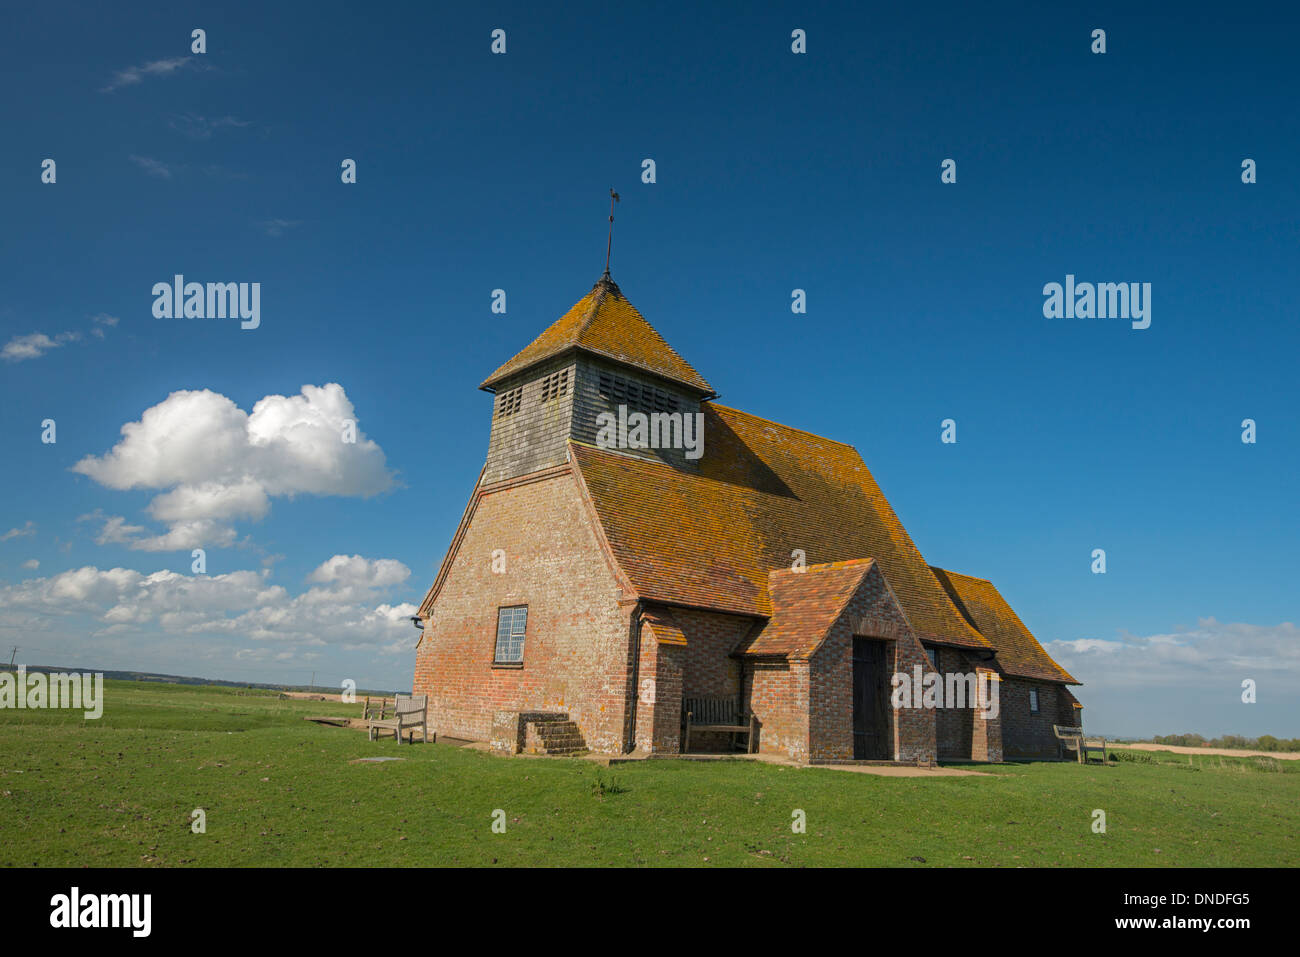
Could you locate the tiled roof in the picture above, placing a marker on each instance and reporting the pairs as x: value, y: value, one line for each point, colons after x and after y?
x: 664, y: 625
x: 1019, y: 652
x: 605, y: 323
x: 805, y: 604
x: 762, y: 490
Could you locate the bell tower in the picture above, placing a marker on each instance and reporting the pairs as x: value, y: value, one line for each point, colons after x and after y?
x: 599, y: 357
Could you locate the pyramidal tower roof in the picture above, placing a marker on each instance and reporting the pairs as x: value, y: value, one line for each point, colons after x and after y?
x: 603, y: 322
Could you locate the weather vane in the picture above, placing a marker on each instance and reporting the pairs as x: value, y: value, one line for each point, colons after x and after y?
x: 613, y: 198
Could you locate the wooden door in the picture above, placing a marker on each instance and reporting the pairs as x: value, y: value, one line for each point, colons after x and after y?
x: 871, y: 737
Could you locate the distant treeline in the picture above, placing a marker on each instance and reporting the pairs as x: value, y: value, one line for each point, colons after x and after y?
x: 188, y: 680
x: 1265, y: 742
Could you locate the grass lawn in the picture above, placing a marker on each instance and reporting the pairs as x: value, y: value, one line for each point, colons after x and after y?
x: 278, y: 790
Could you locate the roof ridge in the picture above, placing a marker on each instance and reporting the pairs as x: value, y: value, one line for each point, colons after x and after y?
x: 600, y: 289
x: 842, y: 563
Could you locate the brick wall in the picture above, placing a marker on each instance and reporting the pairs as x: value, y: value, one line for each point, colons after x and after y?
x: 577, y: 644
x: 912, y: 729
x: 779, y: 693
x: 1025, y: 734
x: 805, y: 708
x: 659, y: 702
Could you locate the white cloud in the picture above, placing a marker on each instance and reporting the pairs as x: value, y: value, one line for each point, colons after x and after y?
x: 117, y: 532
x: 1185, y: 657
x: 32, y: 564
x: 219, y: 464
x: 36, y: 344
x: 152, y: 166
x: 353, y: 570
x: 198, y: 127
x: 27, y: 347
x: 243, y: 499
x: 27, y: 530
x: 240, y: 605
x: 277, y: 227
x: 101, y: 320
x: 188, y: 535
x: 133, y: 75
x: 1188, y: 679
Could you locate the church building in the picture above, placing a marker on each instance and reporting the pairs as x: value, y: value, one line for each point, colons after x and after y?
x: 634, y: 551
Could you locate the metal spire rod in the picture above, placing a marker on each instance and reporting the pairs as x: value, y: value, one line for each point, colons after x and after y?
x: 613, y: 198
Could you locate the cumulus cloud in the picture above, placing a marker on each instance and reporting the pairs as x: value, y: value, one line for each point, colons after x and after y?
x: 355, y: 571
x: 239, y: 605
x: 219, y: 464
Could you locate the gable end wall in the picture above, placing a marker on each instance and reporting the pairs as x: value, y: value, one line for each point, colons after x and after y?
x: 577, y: 643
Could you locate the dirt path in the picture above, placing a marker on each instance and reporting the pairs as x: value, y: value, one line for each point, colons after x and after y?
x: 1230, y: 752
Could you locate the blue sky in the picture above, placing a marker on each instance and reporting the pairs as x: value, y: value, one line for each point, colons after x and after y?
x: 774, y: 171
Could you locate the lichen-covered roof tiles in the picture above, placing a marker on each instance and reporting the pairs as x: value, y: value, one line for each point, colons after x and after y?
x: 1019, y: 652
x: 709, y: 539
x: 663, y: 625
x: 805, y: 604
x: 605, y: 323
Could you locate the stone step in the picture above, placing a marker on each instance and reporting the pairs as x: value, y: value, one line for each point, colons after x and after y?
x: 555, y: 737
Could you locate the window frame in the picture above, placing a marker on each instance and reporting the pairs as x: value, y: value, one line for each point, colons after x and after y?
x: 1034, y: 703
x: 522, y: 636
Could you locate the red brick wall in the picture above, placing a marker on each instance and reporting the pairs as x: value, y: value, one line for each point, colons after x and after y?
x: 956, y: 728
x: 1030, y: 735
x: 709, y: 669
x: 659, y: 703
x: 576, y: 648
x: 805, y: 709
x: 778, y: 692
x: 832, y: 684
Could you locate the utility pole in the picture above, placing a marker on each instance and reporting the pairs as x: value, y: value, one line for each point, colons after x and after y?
x: 313, y: 681
x: 12, y: 655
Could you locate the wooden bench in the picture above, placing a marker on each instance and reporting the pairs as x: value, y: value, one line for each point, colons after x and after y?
x: 718, y: 714
x: 409, y: 711
x: 1072, y: 738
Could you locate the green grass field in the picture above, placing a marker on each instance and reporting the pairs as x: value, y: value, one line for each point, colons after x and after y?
x: 278, y: 790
